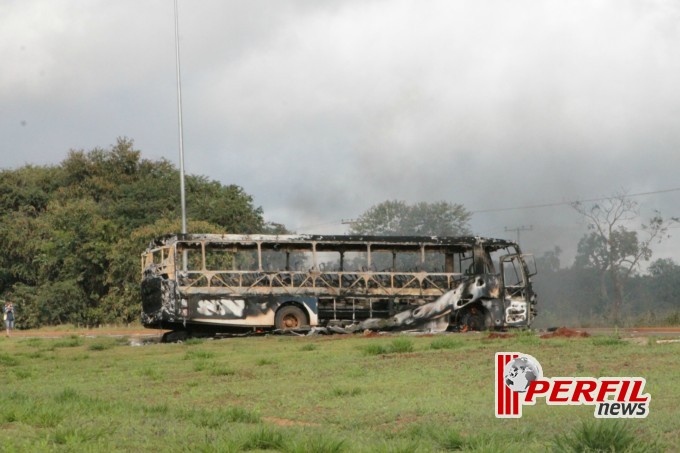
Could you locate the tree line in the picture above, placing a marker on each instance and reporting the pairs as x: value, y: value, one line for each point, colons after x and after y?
x: 579, y: 295
x: 71, y: 237
x: 606, y: 284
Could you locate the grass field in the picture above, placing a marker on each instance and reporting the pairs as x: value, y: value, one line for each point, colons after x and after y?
x: 316, y: 394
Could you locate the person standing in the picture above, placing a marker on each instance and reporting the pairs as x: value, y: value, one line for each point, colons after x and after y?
x: 8, y: 316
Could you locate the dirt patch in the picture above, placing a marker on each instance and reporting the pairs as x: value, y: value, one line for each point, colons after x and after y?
x: 287, y: 422
x: 101, y: 332
x: 494, y: 335
x: 400, y: 423
x: 564, y: 332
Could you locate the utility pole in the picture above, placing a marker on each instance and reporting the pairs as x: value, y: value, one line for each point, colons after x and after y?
x: 518, y: 229
x: 348, y: 222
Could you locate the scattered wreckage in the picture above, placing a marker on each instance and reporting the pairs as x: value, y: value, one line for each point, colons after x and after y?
x: 431, y: 317
x: 203, y: 284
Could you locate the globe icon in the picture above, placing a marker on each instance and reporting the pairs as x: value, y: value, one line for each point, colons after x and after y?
x: 520, y: 372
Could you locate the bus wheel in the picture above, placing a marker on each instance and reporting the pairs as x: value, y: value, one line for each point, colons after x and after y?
x: 290, y: 317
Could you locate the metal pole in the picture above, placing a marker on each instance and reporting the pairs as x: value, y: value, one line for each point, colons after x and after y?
x: 179, y: 120
x: 181, y: 138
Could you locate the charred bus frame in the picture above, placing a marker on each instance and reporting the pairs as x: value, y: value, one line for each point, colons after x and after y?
x: 259, y: 282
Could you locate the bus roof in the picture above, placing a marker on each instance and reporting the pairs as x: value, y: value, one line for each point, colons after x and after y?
x: 460, y: 241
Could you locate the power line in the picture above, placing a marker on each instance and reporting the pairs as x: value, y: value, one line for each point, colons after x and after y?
x: 516, y: 208
x: 562, y: 203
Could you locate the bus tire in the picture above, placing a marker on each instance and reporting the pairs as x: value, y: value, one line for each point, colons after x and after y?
x: 290, y: 317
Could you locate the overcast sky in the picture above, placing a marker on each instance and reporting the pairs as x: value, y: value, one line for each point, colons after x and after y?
x: 320, y: 110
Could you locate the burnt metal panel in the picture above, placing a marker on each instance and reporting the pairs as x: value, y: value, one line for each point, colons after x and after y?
x: 357, y: 240
x: 172, y: 296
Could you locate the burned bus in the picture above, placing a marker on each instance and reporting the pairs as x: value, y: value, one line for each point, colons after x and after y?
x: 210, y: 283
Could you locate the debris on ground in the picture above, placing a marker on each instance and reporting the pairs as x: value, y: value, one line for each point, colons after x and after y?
x: 565, y: 332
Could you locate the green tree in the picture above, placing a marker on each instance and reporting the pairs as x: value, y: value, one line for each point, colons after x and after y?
x: 397, y: 218
x: 124, y: 273
x: 614, y: 250
x: 71, y: 235
x: 394, y: 218
x: 665, y: 283
x: 227, y: 206
x: 28, y: 188
x: 550, y: 261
